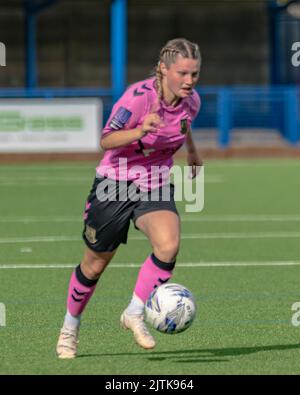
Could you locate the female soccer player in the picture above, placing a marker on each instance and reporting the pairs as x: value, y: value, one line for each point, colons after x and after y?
x: 148, y: 124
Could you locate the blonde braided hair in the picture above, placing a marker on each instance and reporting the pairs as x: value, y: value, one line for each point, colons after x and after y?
x: 168, y: 55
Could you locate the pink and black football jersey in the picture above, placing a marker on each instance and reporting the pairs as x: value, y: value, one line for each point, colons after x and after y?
x: 154, y: 149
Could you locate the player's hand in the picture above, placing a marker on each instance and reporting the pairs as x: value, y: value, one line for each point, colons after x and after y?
x: 151, y: 123
x: 195, y: 162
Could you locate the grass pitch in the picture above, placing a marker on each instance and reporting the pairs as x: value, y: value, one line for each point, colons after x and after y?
x: 240, y: 257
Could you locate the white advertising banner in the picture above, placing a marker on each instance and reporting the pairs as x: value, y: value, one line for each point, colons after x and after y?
x: 50, y: 125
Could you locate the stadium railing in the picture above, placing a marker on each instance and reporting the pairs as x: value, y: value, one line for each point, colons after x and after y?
x: 223, y: 108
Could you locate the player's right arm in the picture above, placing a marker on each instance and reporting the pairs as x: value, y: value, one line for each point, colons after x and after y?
x: 130, y: 119
x: 122, y: 138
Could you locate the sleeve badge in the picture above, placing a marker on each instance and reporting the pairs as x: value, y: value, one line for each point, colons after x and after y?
x: 120, y: 118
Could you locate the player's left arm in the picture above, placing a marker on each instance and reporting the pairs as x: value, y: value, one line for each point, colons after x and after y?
x: 193, y: 158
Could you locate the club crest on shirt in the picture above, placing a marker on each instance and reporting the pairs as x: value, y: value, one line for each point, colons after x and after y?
x: 184, y: 126
x: 90, y: 234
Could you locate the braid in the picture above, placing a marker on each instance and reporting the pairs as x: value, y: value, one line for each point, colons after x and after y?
x: 168, y: 54
x: 159, y: 77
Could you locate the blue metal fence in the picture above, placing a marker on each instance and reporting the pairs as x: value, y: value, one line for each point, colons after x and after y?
x: 223, y: 108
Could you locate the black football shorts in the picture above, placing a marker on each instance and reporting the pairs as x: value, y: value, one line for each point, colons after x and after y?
x: 112, y: 204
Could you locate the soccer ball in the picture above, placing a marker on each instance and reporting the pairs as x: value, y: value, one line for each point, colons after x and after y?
x: 170, y: 308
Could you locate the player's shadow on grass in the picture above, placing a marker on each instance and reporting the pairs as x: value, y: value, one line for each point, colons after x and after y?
x: 220, y: 354
x: 205, y: 355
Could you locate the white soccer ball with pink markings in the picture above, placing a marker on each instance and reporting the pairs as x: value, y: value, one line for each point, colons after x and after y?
x: 171, y: 308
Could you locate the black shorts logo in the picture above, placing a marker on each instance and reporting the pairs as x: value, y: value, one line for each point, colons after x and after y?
x: 90, y: 234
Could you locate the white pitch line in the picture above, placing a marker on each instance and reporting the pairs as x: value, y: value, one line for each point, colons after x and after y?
x: 41, y: 239
x: 184, y: 218
x: 41, y: 167
x: 242, y: 218
x: 39, y: 183
x: 40, y: 219
x: 204, y: 236
x: 266, y: 235
x: 252, y: 164
x: 66, y: 183
x: 208, y: 163
x: 66, y: 180
x: 38, y: 266
x: 137, y: 265
x: 43, y: 178
x: 187, y: 236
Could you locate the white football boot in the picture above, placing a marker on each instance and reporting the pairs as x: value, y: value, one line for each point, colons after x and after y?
x: 141, y: 334
x: 67, y: 343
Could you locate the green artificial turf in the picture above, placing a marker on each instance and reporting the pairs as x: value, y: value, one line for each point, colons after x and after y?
x: 240, y: 257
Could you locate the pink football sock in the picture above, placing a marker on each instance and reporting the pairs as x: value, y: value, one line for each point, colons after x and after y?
x: 80, y: 291
x: 152, y: 274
